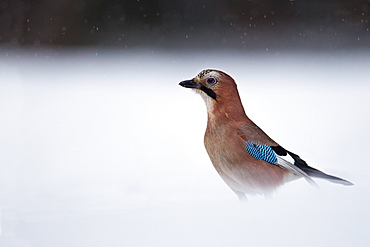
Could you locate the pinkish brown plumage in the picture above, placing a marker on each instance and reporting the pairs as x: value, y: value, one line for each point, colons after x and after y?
x: 228, y: 131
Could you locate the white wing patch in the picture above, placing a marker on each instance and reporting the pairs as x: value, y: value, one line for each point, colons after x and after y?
x: 294, y: 169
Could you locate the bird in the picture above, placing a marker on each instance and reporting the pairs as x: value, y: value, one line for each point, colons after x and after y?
x: 246, y: 158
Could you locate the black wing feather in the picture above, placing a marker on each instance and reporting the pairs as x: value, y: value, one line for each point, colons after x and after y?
x: 279, y: 150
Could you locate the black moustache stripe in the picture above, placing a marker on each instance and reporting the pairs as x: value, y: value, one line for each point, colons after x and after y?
x: 209, y: 92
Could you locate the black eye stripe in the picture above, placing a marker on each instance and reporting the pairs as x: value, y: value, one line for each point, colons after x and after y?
x: 209, y: 92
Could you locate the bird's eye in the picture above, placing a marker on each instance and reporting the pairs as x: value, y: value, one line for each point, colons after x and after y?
x: 211, y: 81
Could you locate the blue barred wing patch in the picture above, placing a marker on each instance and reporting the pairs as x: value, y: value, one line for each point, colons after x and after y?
x: 261, y: 152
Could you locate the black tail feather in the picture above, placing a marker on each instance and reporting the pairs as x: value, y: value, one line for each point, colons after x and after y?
x: 312, y: 172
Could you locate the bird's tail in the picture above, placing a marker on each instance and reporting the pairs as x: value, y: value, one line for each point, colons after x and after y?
x: 319, y: 174
x: 312, y: 172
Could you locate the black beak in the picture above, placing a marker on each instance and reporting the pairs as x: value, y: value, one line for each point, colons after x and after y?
x: 190, y: 84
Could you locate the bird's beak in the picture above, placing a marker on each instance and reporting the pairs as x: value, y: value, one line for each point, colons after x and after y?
x: 190, y: 84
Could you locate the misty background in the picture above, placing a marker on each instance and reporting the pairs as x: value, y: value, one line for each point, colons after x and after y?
x: 99, y: 146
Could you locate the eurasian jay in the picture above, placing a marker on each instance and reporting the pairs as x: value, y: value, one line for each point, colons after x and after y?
x: 246, y: 158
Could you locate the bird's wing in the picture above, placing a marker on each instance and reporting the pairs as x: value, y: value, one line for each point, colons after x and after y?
x: 268, y: 154
x: 251, y: 132
x: 262, y: 147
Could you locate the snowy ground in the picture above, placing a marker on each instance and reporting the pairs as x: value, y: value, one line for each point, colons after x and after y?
x: 103, y: 148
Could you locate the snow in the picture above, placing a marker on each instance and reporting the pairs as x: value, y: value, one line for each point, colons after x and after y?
x: 103, y: 148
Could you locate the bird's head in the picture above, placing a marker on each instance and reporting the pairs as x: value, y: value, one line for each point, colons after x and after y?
x: 211, y: 84
x: 219, y: 92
